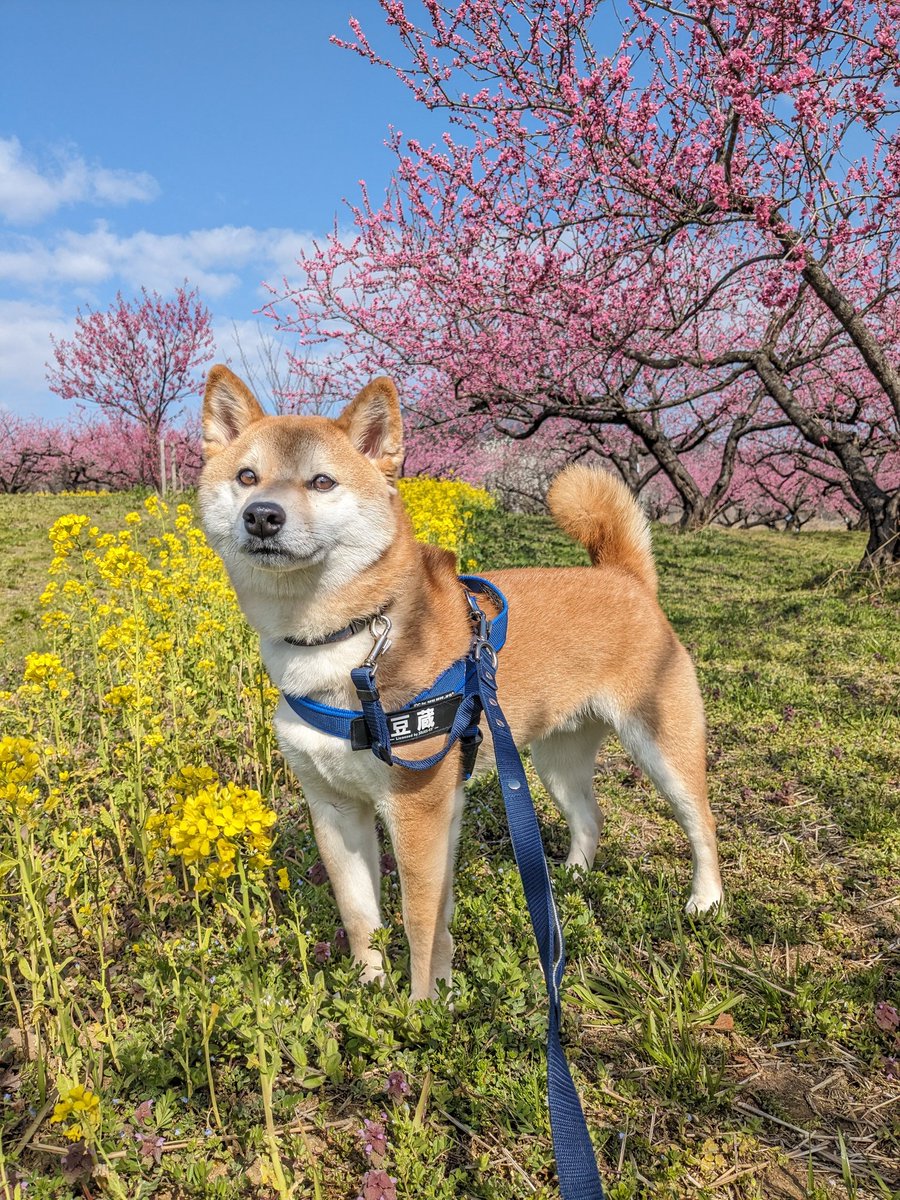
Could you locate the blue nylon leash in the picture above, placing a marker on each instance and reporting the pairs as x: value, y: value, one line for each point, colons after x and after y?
x: 475, y: 676
x: 575, y: 1161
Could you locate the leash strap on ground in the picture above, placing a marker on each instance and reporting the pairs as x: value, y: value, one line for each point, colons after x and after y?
x: 576, y: 1164
x: 575, y: 1161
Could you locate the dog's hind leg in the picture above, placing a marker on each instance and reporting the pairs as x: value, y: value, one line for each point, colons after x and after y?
x: 348, y: 843
x: 565, y: 761
x: 668, y: 742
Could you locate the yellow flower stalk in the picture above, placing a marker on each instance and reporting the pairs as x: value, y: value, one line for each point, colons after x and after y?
x: 80, y: 1105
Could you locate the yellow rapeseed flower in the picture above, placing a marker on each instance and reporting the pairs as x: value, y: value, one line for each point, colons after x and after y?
x: 19, y: 762
x: 79, y: 492
x: 80, y: 1105
x: 210, y: 824
x: 64, y: 534
x: 122, y: 696
x: 155, y: 506
x: 441, y: 509
x: 46, y: 669
x: 191, y: 780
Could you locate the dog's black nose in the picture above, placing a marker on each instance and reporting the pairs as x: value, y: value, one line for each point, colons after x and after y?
x: 264, y: 519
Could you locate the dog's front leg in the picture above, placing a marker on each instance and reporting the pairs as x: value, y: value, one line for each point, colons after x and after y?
x: 424, y: 826
x: 348, y: 843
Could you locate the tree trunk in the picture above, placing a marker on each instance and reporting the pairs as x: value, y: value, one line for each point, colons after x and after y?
x: 696, y: 516
x: 871, y: 350
x: 873, y: 353
x: 883, y: 546
x: 881, y: 508
x: 696, y: 509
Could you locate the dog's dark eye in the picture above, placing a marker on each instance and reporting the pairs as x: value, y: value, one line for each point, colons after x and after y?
x: 323, y: 483
x: 247, y: 477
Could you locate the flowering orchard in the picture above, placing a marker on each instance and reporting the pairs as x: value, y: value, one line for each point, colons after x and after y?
x: 129, y: 371
x: 674, y: 230
x: 91, y: 453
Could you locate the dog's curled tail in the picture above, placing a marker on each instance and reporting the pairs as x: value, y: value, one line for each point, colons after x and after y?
x: 598, y: 510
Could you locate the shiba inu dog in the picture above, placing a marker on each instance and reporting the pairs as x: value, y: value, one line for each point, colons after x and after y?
x: 307, y: 519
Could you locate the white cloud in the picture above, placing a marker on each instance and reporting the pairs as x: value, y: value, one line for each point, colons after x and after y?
x: 213, y: 259
x: 25, y: 330
x: 29, y: 193
x: 44, y: 279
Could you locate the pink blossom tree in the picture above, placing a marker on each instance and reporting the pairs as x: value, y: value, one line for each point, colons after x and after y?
x: 641, y: 235
x: 95, y: 453
x: 138, y: 362
x: 115, y: 453
x: 523, y: 344
x: 26, y: 452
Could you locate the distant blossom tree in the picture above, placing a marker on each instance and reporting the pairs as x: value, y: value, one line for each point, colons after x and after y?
x: 114, y: 453
x: 26, y: 451
x: 137, y: 362
x: 111, y: 453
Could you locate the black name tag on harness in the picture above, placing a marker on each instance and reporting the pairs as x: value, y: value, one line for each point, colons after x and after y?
x: 423, y: 720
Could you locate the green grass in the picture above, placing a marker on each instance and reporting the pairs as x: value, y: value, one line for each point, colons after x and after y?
x: 704, y: 1051
x: 25, y: 554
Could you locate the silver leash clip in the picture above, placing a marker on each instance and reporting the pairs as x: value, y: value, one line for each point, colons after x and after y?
x: 380, y: 628
x: 480, y: 646
x: 480, y: 639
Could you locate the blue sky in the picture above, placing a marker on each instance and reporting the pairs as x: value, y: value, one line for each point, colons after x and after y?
x: 144, y: 143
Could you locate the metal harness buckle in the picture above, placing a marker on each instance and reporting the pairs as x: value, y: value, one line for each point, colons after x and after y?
x: 481, y: 646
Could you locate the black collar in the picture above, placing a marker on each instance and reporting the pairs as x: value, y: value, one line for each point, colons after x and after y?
x: 340, y: 635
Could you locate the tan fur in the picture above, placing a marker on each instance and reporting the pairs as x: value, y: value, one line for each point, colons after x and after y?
x: 229, y: 407
x: 374, y: 425
x: 588, y: 652
x: 598, y: 510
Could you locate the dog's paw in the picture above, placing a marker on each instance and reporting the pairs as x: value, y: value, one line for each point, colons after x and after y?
x: 703, y: 902
x: 578, y: 866
x: 373, y: 974
x: 441, y: 992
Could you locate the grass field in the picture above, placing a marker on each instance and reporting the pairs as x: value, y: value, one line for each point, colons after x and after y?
x: 223, y: 1044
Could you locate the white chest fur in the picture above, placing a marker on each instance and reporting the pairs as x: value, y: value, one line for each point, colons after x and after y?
x: 319, y: 760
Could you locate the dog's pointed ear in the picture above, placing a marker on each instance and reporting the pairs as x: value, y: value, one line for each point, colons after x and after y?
x: 374, y: 425
x: 228, y: 408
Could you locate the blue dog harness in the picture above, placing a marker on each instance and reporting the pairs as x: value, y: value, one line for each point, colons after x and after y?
x: 454, y: 704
